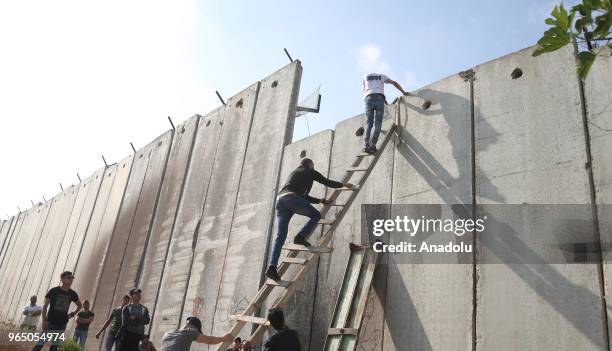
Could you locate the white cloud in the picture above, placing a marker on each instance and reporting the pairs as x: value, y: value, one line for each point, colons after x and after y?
x: 370, y: 60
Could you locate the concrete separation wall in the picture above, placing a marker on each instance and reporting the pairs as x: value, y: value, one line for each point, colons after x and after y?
x: 189, y: 218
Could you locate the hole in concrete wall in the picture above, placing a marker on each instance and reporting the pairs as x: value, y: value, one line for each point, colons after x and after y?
x: 182, y: 130
x: 274, y: 84
x: 239, y: 103
x: 159, y: 144
x: 208, y: 123
x: 517, y: 73
x: 220, y: 123
x: 140, y: 156
x: 303, y: 154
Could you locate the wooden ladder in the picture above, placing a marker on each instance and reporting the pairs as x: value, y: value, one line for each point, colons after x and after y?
x: 352, y: 298
x: 313, y: 252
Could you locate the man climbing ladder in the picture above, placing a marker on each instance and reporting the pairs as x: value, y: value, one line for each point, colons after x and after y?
x: 374, y: 92
x: 293, y: 198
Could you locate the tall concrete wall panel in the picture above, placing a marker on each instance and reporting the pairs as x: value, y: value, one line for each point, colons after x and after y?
x: 10, y: 245
x: 530, y: 148
x: 56, y: 230
x: 377, y: 189
x: 20, y: 295
x: 216, y: 216
x: 90, y: 261
x: 432, y: 165
x: 598, y: 99
x: 16, y: 262
x: 79, y: 221
x: 4, y: 236
x: 247, y: 241
x: 126, y: 246
x: 166, y: 212
x: 168, y: 302
x: 317, y: 148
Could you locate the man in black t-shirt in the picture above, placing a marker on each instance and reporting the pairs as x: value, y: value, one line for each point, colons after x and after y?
x: 84, y: 319
x: 285, y: 339
x: 55, y: 310
x: 294, y: 199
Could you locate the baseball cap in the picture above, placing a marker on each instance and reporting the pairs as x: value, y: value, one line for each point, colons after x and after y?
x: 195, y: 321
x: 134, y: 291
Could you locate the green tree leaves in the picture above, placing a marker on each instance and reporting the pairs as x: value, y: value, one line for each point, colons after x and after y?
x: 589, y: 22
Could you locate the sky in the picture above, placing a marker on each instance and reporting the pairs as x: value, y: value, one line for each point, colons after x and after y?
x: 81, y: 79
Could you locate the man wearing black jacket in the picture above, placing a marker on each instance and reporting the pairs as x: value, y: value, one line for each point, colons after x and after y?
x: 293, y: 198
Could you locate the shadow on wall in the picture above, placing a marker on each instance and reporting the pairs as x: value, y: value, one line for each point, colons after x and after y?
x: 539, y: 275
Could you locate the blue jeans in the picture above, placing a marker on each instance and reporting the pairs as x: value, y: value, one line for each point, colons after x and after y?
x: 51, y: 328
x: 374, y: 109
x: 286, y: 207
x: 111, y: 340
x: 80, y: 336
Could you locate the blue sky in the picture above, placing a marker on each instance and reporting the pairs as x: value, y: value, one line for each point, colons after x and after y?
x: 414, y: 42
x: 82, y: 79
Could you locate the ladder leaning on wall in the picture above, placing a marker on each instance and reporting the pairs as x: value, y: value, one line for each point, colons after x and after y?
x: 313, y: 252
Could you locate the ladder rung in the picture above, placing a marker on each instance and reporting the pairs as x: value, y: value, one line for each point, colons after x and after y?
x: 282, y: 283
x: 364, y: 154
x: 336, y: 205
x: 326, y: 221
x: 353, y: 188
x: 250, y: 319
x: 342, y: 331
x: 319, y: 249
x: 357, y: 169
x: 295, y: 260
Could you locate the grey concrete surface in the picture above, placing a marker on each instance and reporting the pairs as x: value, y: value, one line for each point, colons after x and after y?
x: 271, y: 130
x: 149, y: 276
x: 215, y: 216
x: 377, y: 189
x: 54, y: 229
x: 126, y: 246
x: 175, y: 273
x: 530, y: 148
x: 318, y: 148
x: 14, y: 314
x: 89, y: 264
x: 598, y: 98
x: 16, y: 261
x: 211, y: 229
x: 79, y: 220
x: 432, y: 165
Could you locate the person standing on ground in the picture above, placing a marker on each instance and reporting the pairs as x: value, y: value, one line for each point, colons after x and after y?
x: 134, y: 318
x: 293, y: 198
x: 114, y: 320
x: 285, y: 339
x: 374, y: 93
x: 55, y: 310
x: 30, y: 315
x: 181, y: 339
x: 84, y: 319
x: 236, y: 344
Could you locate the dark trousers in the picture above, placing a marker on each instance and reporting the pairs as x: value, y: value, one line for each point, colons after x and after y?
x: 286, y: 207
x: 375, y: 110
x: 129, y: 341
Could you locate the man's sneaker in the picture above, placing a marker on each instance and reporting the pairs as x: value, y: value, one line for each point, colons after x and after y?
x: 371, y: 149
x: 300, y: 240
x: 272, y: 274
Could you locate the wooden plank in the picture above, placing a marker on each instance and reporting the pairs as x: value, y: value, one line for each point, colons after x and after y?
x: 250, y: 319
x: 313, y: 248
x: 294, y: 260
x: 326, y: 221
